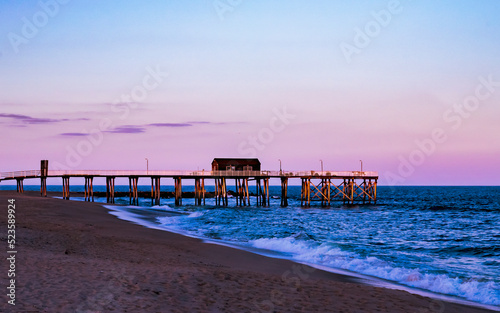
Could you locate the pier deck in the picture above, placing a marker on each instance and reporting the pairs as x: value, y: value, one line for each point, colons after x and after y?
x: 324, y: 186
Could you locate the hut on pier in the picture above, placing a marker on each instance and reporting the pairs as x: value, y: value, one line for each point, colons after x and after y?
x: 238, y: 164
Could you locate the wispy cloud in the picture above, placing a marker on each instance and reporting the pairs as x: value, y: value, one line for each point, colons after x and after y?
x: 73, y: 134
x: 137, y: 129
x: 170, y: 124
x: 127, y: 129
x: 25, y: 119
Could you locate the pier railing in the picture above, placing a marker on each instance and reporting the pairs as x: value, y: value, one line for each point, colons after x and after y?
x: 20, y: 174
x: 148, y: 173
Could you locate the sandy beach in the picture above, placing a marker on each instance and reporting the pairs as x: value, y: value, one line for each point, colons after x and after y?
x: 76, y: 257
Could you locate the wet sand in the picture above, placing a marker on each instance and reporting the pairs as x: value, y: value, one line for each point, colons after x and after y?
x: 76, y: 257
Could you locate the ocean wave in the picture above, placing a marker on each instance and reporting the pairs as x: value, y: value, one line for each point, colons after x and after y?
x: 327, y: 254
x: 195, y: 214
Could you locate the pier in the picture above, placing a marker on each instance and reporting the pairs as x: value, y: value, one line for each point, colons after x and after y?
x: 324, y: 187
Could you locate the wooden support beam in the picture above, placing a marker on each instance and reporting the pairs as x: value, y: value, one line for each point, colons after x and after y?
x: 203, y: 189
x: 284, y: 191
x: 155, y: 190
x: 133, y: 182
x: 265, y: 193
x: 65, y: 187
x: 178, y: 191
x: 237, y: 191
x: 130, y: 190
x: 43, y: 186
x: 89, y: 188
x: 308, y: 189
x: 110, y: 189
x: 224, y: 191
x: 257, y: 191
x: 20, y: 185
x: 247, y: 193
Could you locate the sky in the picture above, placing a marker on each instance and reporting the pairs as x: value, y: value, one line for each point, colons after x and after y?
x: 410, y: 88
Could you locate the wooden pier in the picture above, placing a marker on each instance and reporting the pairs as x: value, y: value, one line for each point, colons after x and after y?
x: 323, y: 187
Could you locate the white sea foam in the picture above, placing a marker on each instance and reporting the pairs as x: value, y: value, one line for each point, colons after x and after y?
x: 196, y: 214
x: 328, y: 255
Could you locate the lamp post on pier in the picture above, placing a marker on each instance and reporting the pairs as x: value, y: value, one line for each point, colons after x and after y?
x: 361, y: 165
x: 147, y: 166
x: 321, y: 161
x: 280, y: 167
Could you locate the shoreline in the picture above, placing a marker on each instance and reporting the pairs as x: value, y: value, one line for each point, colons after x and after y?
x: 75, y: 256
x: 357, y: 277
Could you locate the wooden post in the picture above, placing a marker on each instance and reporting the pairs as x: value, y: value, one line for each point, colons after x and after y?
x: 133, y: 182
x: 44, y: 172
x: 152, y: 190
x: 308, y: 191
x: 155, y: 190
x: 20, y: 185
x: 257, y: 191
x: 284, y: 191
x: 89, y: 188
x: 246, y: 191
x: 130, y: 190
x: 224, y: 191
x: 323, y: 192
x: 365, y: 189
x: 43, y: 186
x: 158, y: 191
x: 216, y: 193
x: 196, y: 190
x: 179, y: 191
x: 112, y: 184
x: 344, y: 189
x: 351, y: 190
x: 265, y: 196
x: 203, y: 189
x: 328, y: 190
x: 110, y: 189
x: 65, y: 187
x: 92, y: 187
x: 302, y: 193
x: 237, y: 191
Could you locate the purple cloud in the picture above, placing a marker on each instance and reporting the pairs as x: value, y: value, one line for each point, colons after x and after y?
x: 127, y: 129
x: 170, y: 124
x: 73, y: 134
x: 36, y: 120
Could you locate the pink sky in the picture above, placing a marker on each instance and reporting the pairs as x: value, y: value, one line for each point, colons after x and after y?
x: 180, y: 85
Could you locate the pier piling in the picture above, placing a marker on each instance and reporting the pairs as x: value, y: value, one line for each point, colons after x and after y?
x: 89, y: 188
x: 110, y: 189
x: 133, y: 182
x: 20, y: 185
x: 65, y: 187
x: 348, y: 187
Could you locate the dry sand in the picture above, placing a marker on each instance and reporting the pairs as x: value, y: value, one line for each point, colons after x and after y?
x: 75, y: 257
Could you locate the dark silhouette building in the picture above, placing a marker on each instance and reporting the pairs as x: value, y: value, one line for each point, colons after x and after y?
x: 226, y: 164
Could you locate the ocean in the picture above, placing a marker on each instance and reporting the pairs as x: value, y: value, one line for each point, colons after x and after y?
x: 445, y: 240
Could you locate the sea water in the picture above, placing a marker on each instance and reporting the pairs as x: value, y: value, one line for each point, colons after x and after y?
x: 440, y: 239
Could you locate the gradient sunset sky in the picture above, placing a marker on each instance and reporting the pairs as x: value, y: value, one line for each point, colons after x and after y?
x: 412, y: 88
